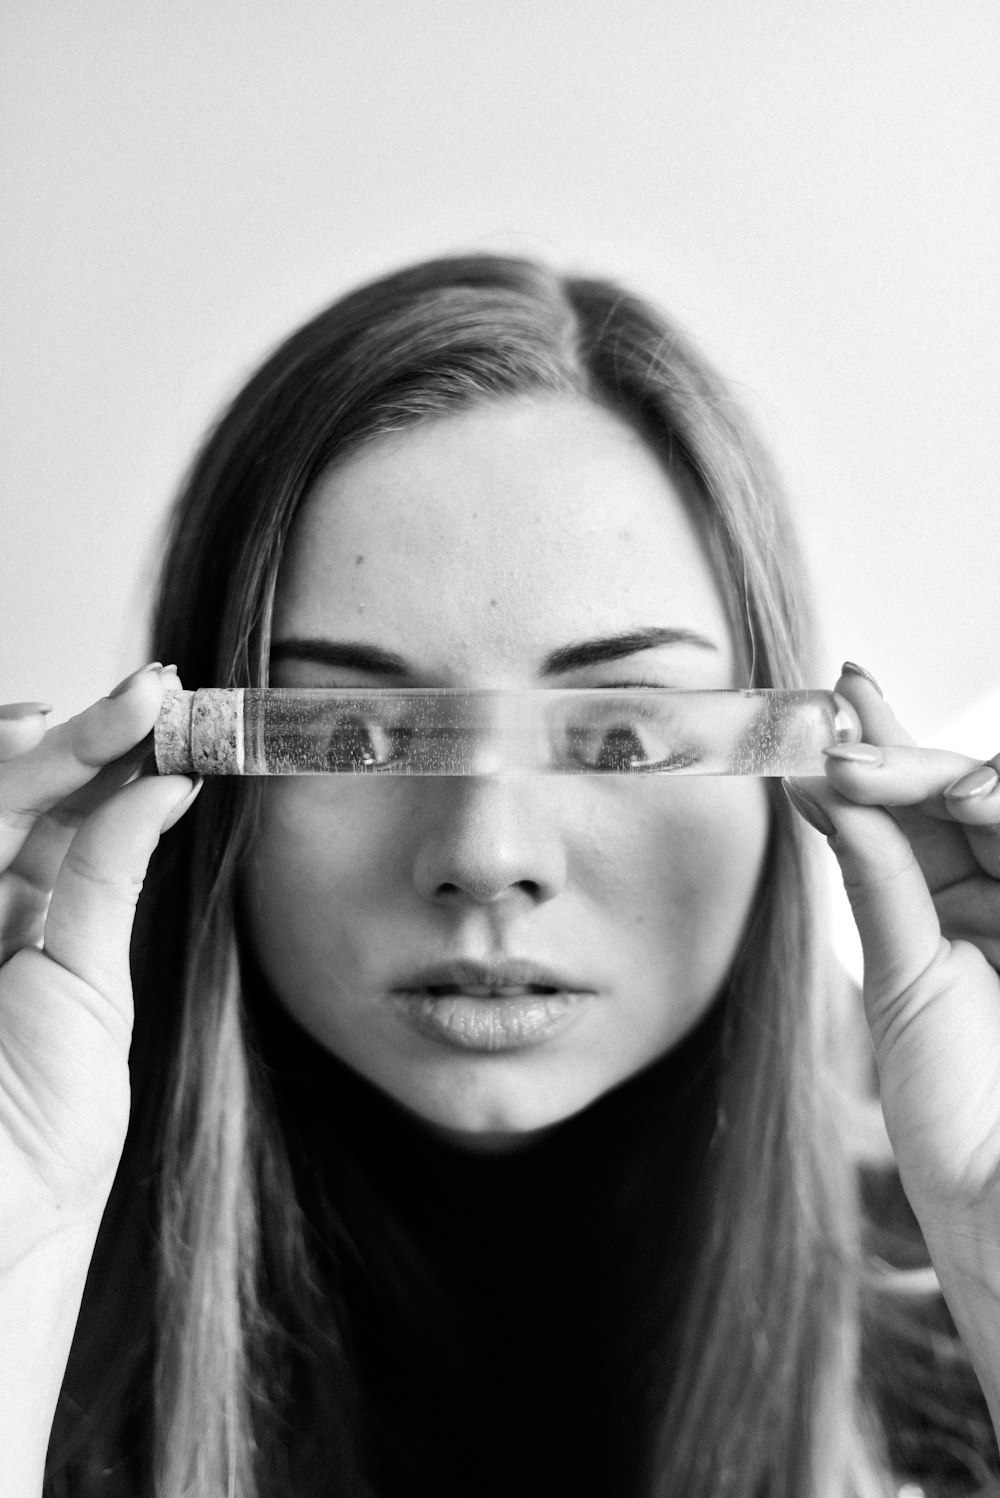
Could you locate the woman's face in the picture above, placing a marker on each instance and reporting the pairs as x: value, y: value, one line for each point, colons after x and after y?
x: 520, y: 544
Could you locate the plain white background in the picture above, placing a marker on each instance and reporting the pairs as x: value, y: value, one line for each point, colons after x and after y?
x: 811, y: 188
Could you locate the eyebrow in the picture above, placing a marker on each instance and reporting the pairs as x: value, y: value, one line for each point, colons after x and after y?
x: 355, y: 655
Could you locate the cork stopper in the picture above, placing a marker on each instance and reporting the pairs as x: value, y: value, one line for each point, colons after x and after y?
x: 217, y: 731
x: 200, y: 733
x: 172, y: 734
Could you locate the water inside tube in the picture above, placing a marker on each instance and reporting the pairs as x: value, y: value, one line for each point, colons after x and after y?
x: 284, y: 731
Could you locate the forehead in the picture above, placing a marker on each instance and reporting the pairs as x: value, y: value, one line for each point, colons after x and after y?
x: 481, y: 540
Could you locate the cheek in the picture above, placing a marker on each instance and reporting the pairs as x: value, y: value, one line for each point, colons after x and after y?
x: 675, y: 880
x: 721, y: 849
x: 684, y: 834
x: 322, y: 856
x: 319, y: 830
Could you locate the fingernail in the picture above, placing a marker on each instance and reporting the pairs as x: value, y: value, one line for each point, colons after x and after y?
x: 808, y: 808
x: 12, y: 711
x: 165, y: 670
x: 123, y: 686
x: 850, y: 669
x: 178, y: 810
x: 855, y: 754
x: 978, y: 782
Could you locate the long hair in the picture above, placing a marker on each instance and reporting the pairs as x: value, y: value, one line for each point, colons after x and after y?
x: 205, y: 1281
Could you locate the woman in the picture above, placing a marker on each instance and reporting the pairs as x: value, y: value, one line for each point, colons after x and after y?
x: 361, y: 1239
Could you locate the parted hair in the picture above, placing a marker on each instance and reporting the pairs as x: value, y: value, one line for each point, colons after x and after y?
x: 205, y: 1289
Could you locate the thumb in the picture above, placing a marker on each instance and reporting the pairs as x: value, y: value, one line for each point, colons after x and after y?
x: 892, y: 906
x: 88, y: 926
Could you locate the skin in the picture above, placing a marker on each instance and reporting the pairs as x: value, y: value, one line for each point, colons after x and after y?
x: 559, y: 525
x: 916, y: 832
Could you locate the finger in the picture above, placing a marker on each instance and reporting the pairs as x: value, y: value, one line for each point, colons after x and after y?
x: 70, y: 755
x: 27, y: 883
x: 974, y: 797
x: 890, y: 774
x: 974, y: 801
x: 22, y: 725
x: 25, y: 886
x: 891, y: 779
x: 945, y: 786
x: 910, y: 781
x: 89, y: 922
x: 38, y: 859
x: 892, y: 906
x: 879, y: 723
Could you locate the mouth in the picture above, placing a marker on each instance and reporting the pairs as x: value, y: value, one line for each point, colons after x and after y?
x: 485, y: 990
x: 490, y: 1007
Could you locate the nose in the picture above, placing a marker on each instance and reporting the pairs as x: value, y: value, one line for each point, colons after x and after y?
x: 489, y: 841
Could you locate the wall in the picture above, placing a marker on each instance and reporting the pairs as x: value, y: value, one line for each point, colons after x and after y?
x: 812, y: 189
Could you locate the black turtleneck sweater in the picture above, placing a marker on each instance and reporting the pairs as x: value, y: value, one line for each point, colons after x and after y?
x: 508, y: 1316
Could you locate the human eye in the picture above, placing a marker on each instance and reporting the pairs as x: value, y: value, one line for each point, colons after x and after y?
x: 366, y: 739
x: 330, y: 731
x: 626, y: 739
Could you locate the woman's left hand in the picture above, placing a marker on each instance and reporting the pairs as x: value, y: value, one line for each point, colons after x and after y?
x: 917, y: 835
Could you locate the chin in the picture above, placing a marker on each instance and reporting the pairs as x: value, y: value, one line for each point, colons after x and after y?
x: 488, y: 1141
x: 496, y: 1118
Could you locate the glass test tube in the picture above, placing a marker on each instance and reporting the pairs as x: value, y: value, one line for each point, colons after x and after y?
x: 429, y: 731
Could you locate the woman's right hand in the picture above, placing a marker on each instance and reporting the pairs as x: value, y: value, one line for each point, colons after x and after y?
x: 75, y: 840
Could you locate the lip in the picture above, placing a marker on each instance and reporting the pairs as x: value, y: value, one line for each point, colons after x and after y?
x: 503, y: 972
x: 505, y: 1005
